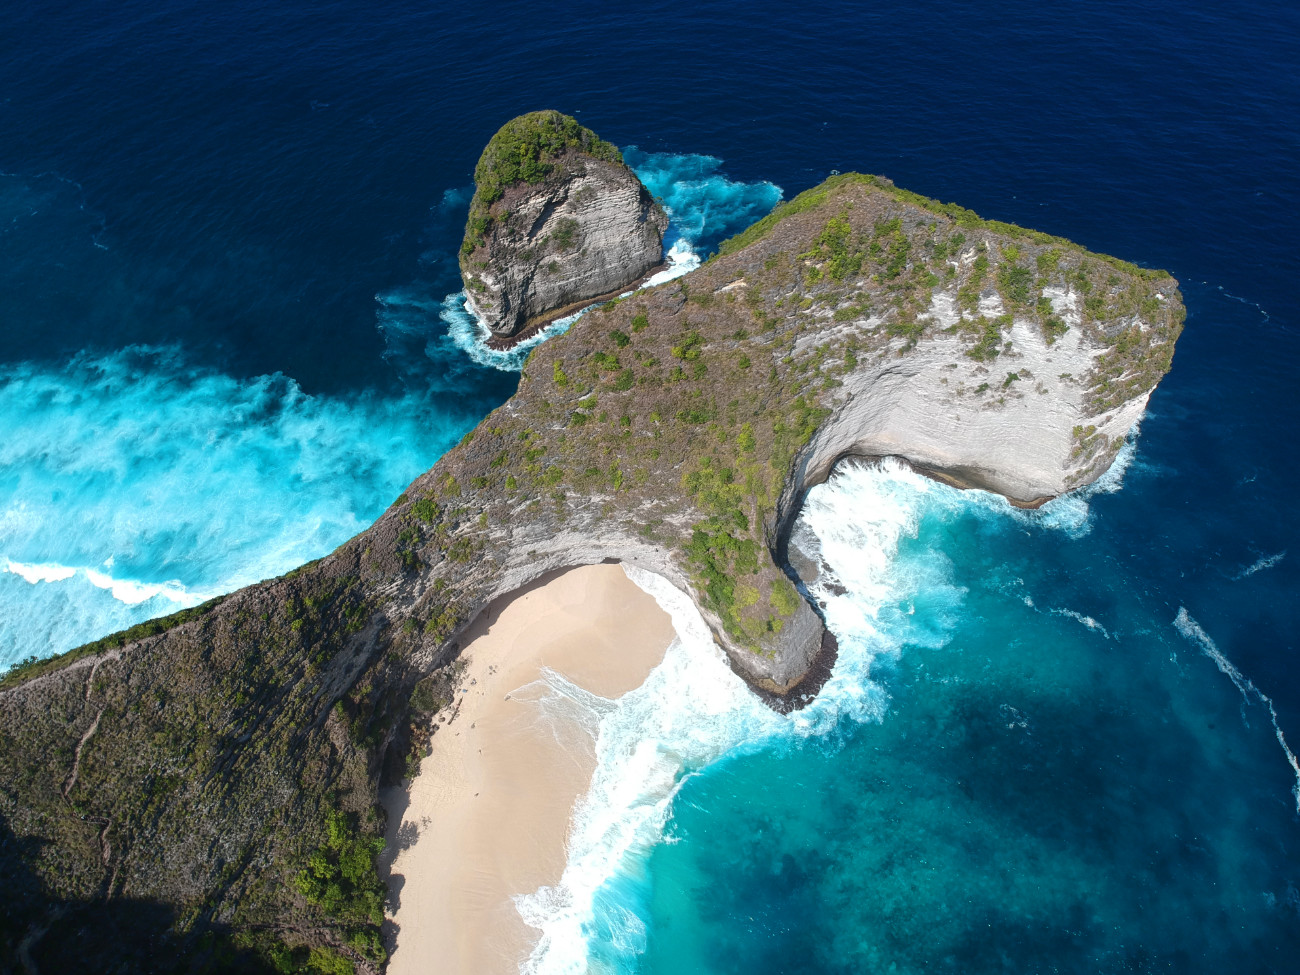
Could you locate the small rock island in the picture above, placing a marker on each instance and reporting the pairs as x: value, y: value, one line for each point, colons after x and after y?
x: 208, y: 782
x: 557, y: 221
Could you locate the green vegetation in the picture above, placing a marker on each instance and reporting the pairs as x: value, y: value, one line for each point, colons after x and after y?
x: 341, y: 877
x: 35, y: 666
x: 525, y: 150
x: 1015, y: 281
x: 690, y: 348
x: 967, y: 219
x: 426, y: 509
x: 989, y: 332
x: 565, y: 236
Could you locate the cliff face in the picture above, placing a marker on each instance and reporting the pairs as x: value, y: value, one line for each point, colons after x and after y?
x: 202, y: 767
x: 557, y: 220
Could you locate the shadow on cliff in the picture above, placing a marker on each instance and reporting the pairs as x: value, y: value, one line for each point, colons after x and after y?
x: 40, y: 933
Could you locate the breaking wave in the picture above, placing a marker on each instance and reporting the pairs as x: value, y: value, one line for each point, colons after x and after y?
x: 136, y: 484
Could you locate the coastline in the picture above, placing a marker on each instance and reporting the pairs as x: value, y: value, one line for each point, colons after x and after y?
x: 488, y: 816
x: 504, y: 343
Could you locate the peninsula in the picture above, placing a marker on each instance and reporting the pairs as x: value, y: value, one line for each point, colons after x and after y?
x: 205, y: 787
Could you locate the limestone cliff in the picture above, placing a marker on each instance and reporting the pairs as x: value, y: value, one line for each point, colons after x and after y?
x: 224, y: 765
x: 557, y: 220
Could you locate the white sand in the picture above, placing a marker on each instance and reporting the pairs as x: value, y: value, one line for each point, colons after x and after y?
x: 492, y: 804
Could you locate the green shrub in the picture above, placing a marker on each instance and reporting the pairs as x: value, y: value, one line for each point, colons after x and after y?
x: 1015, y: 282
x: 327, y: 961
x: 565, y: 235
x: 784, y: 598
x: 341, y: 877
x: 690, y: 347
x: 990, y: 339
x: 427, y: 510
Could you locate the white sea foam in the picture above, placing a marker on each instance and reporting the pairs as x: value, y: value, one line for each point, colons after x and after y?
x: 128, y: 591
x: 703, y: 205
x: 1087, y: 621
x: 681, y: 259
x: 40, y: 573
x: 137, y: 484
x: 471, y: 335
x: 1250, y: 694
x: 133, y: 593
x: 880, y: 593
x: 1259, y: 565
x: 693, y: 709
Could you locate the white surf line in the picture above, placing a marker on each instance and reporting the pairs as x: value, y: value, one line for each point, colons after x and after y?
x: 127, y: 591
x: 39, y: 572
x: 1267, y: 562
x: 1190, y: 629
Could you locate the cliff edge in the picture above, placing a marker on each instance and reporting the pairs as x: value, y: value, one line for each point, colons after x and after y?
x: 221, y: 768
x: 557, y: 220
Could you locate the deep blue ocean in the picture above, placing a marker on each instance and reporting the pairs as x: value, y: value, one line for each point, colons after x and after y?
x: 1054, y: 742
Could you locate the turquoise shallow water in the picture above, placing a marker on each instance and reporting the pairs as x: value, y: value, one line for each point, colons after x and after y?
x: 1025, y: 760
x: 1043, y: 792
x: 229, y: 336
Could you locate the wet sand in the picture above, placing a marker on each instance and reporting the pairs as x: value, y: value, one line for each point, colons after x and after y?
x: 490, y: 809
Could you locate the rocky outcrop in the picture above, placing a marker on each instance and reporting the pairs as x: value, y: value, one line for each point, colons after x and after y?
x: 677, y: 430
x: 557, y: 221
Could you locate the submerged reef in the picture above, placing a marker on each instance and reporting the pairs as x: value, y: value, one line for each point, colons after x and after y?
x: 557, y: 220
x: 219, y: 770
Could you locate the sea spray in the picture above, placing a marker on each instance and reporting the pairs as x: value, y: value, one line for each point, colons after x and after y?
x: 704, y: 206
x: 138, y: 484
x: 1259, y: 565
x: 471, y: 336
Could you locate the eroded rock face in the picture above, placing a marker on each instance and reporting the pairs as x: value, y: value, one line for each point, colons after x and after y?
x: 557, y: 221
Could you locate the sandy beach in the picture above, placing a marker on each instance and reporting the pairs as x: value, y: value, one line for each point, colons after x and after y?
x: 488, y: 815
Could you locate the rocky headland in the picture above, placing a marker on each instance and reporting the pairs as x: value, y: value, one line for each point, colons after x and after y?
x: 557, y: 221
x: 216, y: 773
